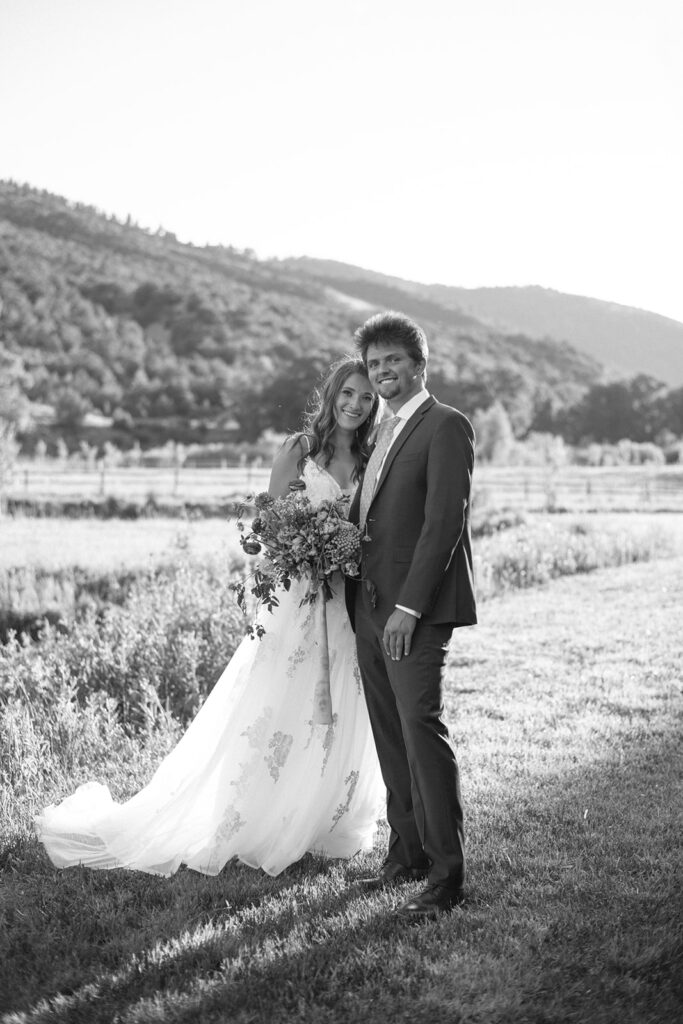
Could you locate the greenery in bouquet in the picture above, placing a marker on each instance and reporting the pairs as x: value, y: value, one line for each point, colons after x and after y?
x: 299, y: 541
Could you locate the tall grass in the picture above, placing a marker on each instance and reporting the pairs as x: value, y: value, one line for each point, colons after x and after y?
x: 525, y: 556
x: 161, y: 649
x: 31, y: 596
x: 46, y: 755
x: 111, y: 694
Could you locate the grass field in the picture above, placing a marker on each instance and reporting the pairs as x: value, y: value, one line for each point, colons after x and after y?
x: 59, y: 570
x: 111, y: 544
x: 567, y: 714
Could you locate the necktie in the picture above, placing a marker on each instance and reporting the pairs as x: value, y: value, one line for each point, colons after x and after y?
x: 384, y: 439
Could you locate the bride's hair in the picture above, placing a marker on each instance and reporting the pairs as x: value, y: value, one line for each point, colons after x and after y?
x: 320, y: 421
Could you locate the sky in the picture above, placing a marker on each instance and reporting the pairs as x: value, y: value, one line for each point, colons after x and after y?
x: 465, y: 142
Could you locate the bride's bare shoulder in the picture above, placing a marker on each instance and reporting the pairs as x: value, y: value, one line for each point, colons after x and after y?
x: 286, y: 463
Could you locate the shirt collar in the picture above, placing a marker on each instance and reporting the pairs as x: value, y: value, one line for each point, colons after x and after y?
x: 412, y: 405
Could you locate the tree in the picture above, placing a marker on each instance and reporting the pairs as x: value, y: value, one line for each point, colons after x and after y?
x: 279, y: 404
x: 70, y: 408
x: 9, y: 450
x: 110, y: 295
x: 610, y: 412
x: 671, y: 412
x: 14, y: 407
x: 151, y: 304
x: 495, y: 439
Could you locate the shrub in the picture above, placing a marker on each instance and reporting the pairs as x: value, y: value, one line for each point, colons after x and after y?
x: 487, y: 521
x: 159, y: 653
x: 624, y: 453
x: 117, y: 508
x: 31, y: 597
x: 43, y: 757
x: 528, y: 556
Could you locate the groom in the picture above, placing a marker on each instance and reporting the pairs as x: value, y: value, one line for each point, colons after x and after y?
x: 416, y: 586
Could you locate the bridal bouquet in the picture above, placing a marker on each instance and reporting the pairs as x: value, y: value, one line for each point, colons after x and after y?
x: 299, y: 542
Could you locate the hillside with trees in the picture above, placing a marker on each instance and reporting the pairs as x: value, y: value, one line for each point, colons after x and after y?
x: 626, y: 341
x: 110, y: 330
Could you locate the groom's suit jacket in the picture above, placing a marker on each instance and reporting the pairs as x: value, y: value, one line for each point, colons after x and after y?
x: 419, y: 551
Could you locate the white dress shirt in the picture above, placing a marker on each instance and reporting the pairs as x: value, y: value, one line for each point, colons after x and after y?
x: 403, y: 415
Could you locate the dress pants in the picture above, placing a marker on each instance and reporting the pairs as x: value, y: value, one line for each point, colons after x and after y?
x: 405, y: 704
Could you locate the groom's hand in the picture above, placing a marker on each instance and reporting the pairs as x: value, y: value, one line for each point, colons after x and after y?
x: 398, y: 634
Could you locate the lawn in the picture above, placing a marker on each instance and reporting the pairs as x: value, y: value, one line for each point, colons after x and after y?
x: 105, y: 545
x: 567, y: 716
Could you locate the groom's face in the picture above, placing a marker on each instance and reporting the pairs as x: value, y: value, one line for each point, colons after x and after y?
x: 393, y: 373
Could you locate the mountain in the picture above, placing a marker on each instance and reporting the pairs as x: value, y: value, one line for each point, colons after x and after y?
x: 102, y: 321
x: 625, y: 340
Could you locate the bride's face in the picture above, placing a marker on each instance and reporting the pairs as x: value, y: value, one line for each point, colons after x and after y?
x: 353, y: 403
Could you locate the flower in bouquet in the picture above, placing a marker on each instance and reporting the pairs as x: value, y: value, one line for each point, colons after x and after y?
x: 299, y: 541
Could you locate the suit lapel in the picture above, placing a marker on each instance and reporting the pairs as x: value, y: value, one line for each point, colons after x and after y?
x: 414, y: 422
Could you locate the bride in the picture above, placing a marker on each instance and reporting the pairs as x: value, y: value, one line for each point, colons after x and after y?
x: 254, y: 777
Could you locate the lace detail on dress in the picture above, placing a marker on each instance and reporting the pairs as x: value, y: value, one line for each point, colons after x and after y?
x: 231, y: 823
x: 296, y: 658
x: 281, y: 744
x: 321, y: 485
x: 351, y: 781
x: 328, y: 741
x: 247, y: 771
x: 256, y: 732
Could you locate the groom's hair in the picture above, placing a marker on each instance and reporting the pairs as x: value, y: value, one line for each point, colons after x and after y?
x: 392, y: 329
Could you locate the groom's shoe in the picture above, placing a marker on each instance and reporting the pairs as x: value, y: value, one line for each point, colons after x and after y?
x: 393, y: 873
x: 435, y: 899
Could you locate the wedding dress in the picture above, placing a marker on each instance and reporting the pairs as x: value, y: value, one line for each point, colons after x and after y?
x: 253, y: 777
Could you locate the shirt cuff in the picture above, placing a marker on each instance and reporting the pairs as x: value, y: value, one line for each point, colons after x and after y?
x: 418, y: 615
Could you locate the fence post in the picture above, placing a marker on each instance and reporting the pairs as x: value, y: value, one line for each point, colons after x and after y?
x: 647, y: 491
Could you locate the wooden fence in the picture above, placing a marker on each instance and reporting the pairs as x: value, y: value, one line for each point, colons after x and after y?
x: 582, y: 488
x: 638, y: 488
x: 44, y: 482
